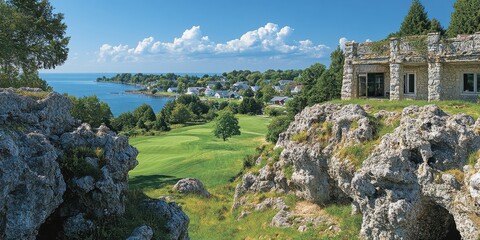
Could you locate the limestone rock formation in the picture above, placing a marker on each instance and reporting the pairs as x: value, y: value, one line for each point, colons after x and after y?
x: 143, y: 232
x: 57, y: 178
x: 191, y: 185
x: 176, y: 220
x: 413, y: 183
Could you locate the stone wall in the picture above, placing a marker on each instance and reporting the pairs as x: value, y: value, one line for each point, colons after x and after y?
x: 452, y: 81
x: 428, y: 61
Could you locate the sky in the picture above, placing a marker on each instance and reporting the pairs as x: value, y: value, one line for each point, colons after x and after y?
x: 214, y: 36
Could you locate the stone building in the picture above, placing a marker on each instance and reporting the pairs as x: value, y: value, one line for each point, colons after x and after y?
x: 418, y: 67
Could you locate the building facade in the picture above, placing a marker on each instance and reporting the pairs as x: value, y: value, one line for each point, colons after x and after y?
x: 419, y: 67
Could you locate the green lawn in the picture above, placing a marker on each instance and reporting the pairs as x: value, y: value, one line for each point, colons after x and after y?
x: 194, y: 152
x: 451, y: 107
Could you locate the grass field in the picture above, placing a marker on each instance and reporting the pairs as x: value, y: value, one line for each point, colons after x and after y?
x: 450, y: 107
x: 194, y: 152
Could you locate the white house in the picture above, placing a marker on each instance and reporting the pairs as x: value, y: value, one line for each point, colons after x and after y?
x: 195, y: 90
x: 255, y: 88
x: 296, y: 89
x: 172, y: 90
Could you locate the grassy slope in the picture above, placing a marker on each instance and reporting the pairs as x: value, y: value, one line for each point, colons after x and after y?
x: 451, y: 107
x: 194, y: 152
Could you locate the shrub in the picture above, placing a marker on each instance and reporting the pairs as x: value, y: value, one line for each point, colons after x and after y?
x: 288, y: 171
x: 300, y: 137
x: 277, y: 125
x: 73, y: 162
x: 473, y: 158
x: 276, y: 154
x: 249, y: 160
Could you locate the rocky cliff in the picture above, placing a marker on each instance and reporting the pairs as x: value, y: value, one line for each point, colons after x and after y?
x: 58, y: 178
x: 412, y: 175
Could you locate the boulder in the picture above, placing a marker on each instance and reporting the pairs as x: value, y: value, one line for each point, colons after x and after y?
x: 143, y: 232
x: 191, y: 186
x: 176, y: 220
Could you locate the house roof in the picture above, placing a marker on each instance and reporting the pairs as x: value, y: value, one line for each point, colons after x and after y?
x: 278, y: 98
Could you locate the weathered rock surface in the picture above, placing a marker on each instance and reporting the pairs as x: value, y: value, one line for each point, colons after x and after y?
x: 143, y: 232
x: 191, y: 185
x: 414, y: 186
x: 416, y: 182
x: 57, y: 178
x: 176, y: 220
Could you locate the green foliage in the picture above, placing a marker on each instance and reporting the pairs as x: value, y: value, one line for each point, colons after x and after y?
x: 300, y: 137
x: 232, y: 107
x: 136, y: 214
x: 73, y: 162
x: 473, y: 158
x: 35, y: 95
x: 277, y: 125
x: 267, y: 93
x: 250, y: 106
x: 226, y: 125
x: 276, y: 154
x: 249, y: 160
x: 416, y: 22
x: 274, y: 111
x: 380, y: 47
x: 350, y: 224
x: 24, y: 80
x: 288, y: 171
x: 435, y: 26
x: 91, y: 110
x: 465, y: 18
x: 419, y: 44
x: 31, y: 38
x: 180, y: 114
x: 248, y: 93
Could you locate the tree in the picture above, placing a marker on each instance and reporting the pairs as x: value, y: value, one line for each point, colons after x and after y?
x: 226, y: 125
x: 435, y: 26
x: 268, y: 93
x: 248, y: 93
x: 123, y: 122
x: 416, y: 22
x: 180, y: 114
x: 277, y: 125
x: 31, y: 38
x: 250, y: 106
x: 465, y: 18
x: 91, y: 110
x: 218, y: 86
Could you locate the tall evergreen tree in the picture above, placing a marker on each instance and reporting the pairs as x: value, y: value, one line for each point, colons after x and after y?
x: 435, y: 26
x: 465, y: 18
x: 416, y: 22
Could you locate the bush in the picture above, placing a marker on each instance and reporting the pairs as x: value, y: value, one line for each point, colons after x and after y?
x: 73, y: 162
x: 278, y: 125
x: 249, y: 161
x: 300, y: 137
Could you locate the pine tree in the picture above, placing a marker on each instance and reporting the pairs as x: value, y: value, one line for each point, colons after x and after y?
x: 465, y: 18
x: 435, y: 26
x: 416, y: 22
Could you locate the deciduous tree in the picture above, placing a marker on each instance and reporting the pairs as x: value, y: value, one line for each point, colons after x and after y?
x: 226, y: 125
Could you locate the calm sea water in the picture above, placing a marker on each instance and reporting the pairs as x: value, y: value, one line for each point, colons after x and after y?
x: 84, y: 84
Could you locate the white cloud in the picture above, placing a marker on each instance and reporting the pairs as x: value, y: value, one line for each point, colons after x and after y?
x: 269, y: 40
x: 341, y: 42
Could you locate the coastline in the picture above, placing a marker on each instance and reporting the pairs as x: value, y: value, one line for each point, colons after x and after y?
x: 150, y: 94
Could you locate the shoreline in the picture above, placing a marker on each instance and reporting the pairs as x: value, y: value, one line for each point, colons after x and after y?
x: 149, y: 94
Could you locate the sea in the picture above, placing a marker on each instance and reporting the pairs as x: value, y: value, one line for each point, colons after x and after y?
x: 84, y: 84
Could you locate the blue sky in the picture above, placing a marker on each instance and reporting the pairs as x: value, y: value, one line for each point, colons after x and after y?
x: 218, y: 36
